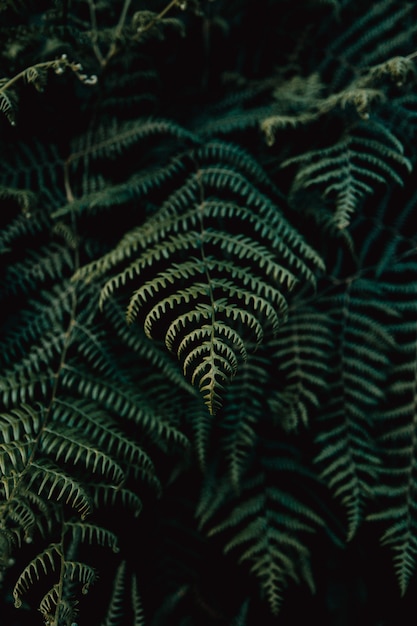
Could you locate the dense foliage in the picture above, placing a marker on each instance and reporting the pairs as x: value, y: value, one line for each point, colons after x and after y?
x: 209, y: 312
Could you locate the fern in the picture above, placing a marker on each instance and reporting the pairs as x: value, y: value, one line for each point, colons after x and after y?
x: 367, y: 155
x: 238, y: 421
x: 348, y: 455
x: 299, y: 357
x: 213, y: 293
x: 53, y: 607
x: 382, y: 40
x: 208, y: 311
x: 117, y: 610
x: 397, y: 439
x: 266, y: 525
x: 65, y: 447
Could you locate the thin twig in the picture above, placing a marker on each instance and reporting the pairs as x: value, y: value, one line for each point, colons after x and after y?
x: 94, y: 33
x: 160, y: 15
x: 118, y: 32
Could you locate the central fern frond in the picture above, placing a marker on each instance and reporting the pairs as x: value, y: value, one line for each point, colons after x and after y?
x: 215, y: 266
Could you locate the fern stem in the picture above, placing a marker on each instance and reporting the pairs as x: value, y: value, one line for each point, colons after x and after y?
x: 59, y: 65
x: 114, y: 48
x: 118, y: 31
x: 60, y: 586
x: 207, y: 274
x: 23, y: 73
x: 122, y: 19
x: 94, y: 33
x: 160, y: 15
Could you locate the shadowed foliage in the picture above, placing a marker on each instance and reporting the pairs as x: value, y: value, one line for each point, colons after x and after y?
x: 208, y: 312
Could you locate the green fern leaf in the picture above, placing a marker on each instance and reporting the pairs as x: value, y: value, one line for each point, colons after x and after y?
x: 122, y: 399
x: 99, y: 431
x: 394, y: 490
x: 267, y: 523
x: 348, y: 458
x: 81, y: 573
x: 117, y: 608
x: 68, y: 446
x: 52, y: 482
x: 388, y: 28
x: 209, y: 308
x: 8, y: 542
x: 366, y: 155
x: 92, y: 534
x: 45, y: 562
x: 23, y: 515
x: 243, y: 411
x: 8, y: 101
x: 300, y: 355
x: 14, y: 456
x: 138, y: 611
x: 54, y: 607
x: 107, y: 495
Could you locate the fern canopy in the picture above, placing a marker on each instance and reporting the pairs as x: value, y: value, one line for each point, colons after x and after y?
x: 208, y: 312
x: 207, y: 289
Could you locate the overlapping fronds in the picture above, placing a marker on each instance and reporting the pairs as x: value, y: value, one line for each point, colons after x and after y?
x: 395, y: 488
x: 348, y: 456
x: 68, y: 408
x: 208, y: 309
x: 210, y: 290
x: 267, y: 525
x: 345, y: 172
x: 301, y: 360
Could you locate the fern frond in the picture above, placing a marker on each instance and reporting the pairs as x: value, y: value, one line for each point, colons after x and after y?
x: 24, y: 198
x: 348, y: 457
x: 14, y: 456
x: 266, y: 524
x: 123, y: 400
x: 80, y: 573
x: 300, y: 358
x: 140, y: 184
x: 24, y: 224
x: 233, y: 287
x: 104, y: 494
x: 8, y: 541
x: 37, y: 268
x: 36, y: 166
x: 100, y: 433
x: 48, y: 311
x: 23, y: 515
x: 112, y: 140
x: 365, y: 156
x: 54, y: 607
x: 138, y: 611
x: 44, y: 563
x: 242, y: 413
x: 21, y: 422
x: 28, y: 379
x: 117, y: 608
x: 135, y: 340
x: 52, y: 482
x: 394, y: 490
x: 384, y: 39
x: 68, y: 446
x: 8, y: 102
x: 174, y: 330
